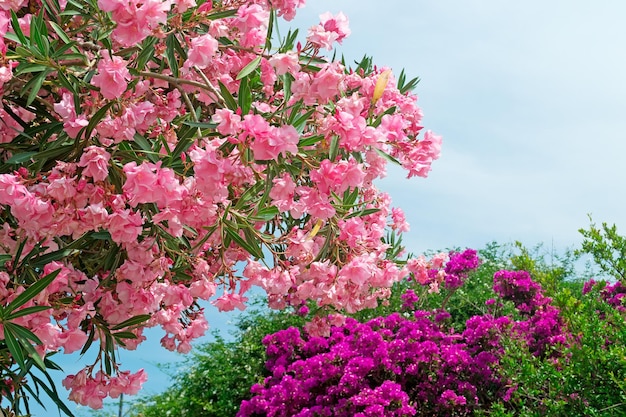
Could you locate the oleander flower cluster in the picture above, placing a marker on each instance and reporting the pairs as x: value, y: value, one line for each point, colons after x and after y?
x: 158, y: 152
x: 409, y: 364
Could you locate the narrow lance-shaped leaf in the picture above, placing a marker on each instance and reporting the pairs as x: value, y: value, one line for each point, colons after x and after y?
x: 334, y: 148
x: 95, y: 119
x: 131, y: 321
x: 14, y: 346
x: 244, y: 96
x: 228, y: 98
x: 26, y: 311
x: 32, y: 291
x: 53, y: 394
x: 252, y: 65
x: 250, y: 248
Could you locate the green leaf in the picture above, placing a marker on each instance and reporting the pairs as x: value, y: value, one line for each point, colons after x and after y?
x: 388, y: 157
x: 266, y: 214
x: 287, y: 80
x: 25, y: 67
x: 39, y: 35
x: 32, y: 291
x: 43, y: 260
x: 102, y: 235
x: 310, y: 141
x: 23, y: 334
x: 379, y: 119
x: 201, y: 125
x: 4, y: 258
x: 14, y: 346
x: 244, y: 96
x: 361, y: 213
x: 404, y: 86
x: 90, y: 339
x: 95, y: 119
x: 289, y: 42
x: 21, y: 157
x: 270, y: 30
x: 147, y: 53
x: 171, y: 43
x: 18, y: 30
x: 60, y: 32
x: 53, y: 394
x: 145, y: 146
x: 26, y: 311
x: 248, y: 69
x: 349, y: 198
x: 34, y: 85
x: 250, y: 193
x: 250, y: 248
x: 131, y: 321
x: 54, y: 153
x: 334, y: 148
x: 125, y: 335
x: 222, y: 14
x: 228, y: 98
x: 300, y: 122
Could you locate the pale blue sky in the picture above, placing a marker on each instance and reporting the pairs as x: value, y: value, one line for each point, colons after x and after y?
x: 530, y: 98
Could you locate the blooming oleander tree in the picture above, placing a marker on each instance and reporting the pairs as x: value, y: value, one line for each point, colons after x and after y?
x: 158, y: 152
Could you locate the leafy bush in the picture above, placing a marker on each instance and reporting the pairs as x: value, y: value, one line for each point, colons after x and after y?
x: 218, y: 375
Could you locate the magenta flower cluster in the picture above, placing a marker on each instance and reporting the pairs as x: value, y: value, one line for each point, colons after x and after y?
x: 613, y: 294
x: 459, y: 266
x: 403, y: 364
x: 543, y: 327
x: 389, y: 366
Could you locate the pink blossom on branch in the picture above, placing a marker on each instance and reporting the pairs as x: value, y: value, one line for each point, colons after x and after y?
x: 208, y: 154
x: 112, y: 77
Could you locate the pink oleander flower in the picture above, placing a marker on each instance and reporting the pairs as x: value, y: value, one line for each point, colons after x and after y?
x: 285, y: 63
x: 14, y: 5
x: 282, y: 192
x: 126, y: 383
x: 112, y: 77
x: 149, y: 183
x: 95, y: 161
x: 229, y: 302
x: 279, y: 140
x: 202, y: 51
x: 6, y: 73
x: 135, y: 19
x: 327, y: 82
x: 229, y: 123
x: 125, y: 226
x: 331, y: 29
x: 287, y: 8
x: 72, y: 340
x: 251, y: 17
x: 72, y: 124
x: 399, y: 220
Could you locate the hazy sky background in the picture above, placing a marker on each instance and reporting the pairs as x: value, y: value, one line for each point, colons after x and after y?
x: 530, y: 98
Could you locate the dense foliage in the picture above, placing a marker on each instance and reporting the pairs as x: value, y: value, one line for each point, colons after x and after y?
x: 507, y: 342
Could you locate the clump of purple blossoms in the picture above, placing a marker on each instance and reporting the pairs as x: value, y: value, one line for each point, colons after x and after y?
x: 614, y: 295
x: 409, y: 299
x: 459, y: 266
x: 544, y: 327
x: 389, y: 366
